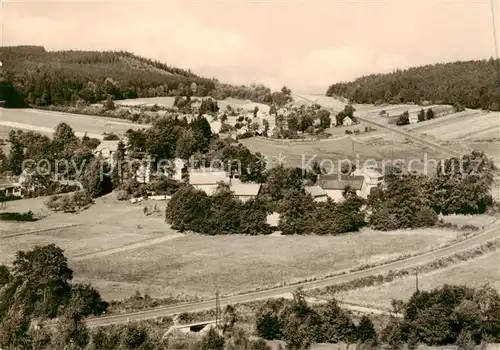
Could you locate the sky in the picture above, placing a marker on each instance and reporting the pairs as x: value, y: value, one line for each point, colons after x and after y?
x: 303, y: 44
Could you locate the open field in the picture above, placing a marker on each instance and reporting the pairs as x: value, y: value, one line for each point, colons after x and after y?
x: 45, y: 121
x: 474, y: 273
x: 169, y: 102
x: 377, y: 145
x: 106, y: 225
x: 194, y: 264
x: 467, y: 125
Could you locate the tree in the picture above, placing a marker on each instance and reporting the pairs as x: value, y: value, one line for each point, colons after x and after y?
x: 255, y: 111
x: 337, y: 326
x: 404, y: 203
x: 4, y: 275
x: 281, y: 180
x: 296, y: 213
x: 463, y: 185
x: 86, y: 301
x: 324, y: 119
x: 96, y: 178
x: 293, y: 123
x: 212, y: 341
x: 421, y: 115
x: 16, y: 155
x: 4, y: 165
x: 365, y: 330
x: 339, y: 118
x: 47, y: 272
x: 404, y: 119
x: 430, y: 114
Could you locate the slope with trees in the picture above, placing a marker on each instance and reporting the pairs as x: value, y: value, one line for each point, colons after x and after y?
x: 473, y: 84
x: 44, y: 78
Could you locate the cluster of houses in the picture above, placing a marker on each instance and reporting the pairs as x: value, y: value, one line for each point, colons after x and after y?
x: 327, y: 186
x: 333, y: 186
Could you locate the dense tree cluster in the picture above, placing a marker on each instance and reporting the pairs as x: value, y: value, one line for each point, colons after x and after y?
x: 473, y: 84
x: 46, y: 78
x: 463, y: 185
x: 43, y: 161
x: 299, y: 214
x: 409, y: 200
x: 38, y: 287
x: 301, y: 325
x: 221, y: 213
x: 447, y: 315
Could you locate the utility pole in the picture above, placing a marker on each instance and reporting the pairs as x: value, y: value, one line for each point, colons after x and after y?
x: 217, y: 309
x: 416, y: 280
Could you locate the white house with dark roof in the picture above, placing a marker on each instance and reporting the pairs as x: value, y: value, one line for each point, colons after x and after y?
x: 334, y: 185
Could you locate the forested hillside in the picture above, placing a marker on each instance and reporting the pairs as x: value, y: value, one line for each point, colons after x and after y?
x: 473, y: 84
x: 64, y: 77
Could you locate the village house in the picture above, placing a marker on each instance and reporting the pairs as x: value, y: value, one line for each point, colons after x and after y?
x: 347, y: 121
x: 107, y: 150
x: 334, y: 185
x: 413, y: 118
x: 372, y: 178
x: 8, y: 188
x: 208, y: 182
x: 318, y: 194
x: 244, y: 191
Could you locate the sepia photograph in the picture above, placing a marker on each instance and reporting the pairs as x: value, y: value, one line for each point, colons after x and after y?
x: 249, y: 174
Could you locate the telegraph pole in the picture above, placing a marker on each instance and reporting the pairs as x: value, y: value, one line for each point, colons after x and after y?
x: 217, y: 309
x: 416, y: 280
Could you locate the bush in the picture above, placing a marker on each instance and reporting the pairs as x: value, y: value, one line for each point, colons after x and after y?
x: 72, y: 203
x: 110, y: 137
x: 29, y: 216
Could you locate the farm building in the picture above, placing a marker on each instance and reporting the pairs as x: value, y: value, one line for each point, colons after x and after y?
x: 318, y: 194
x: 334, y: 185
x: 347, y: 121
x: 372, y: 178
x: 413, y: 118
x: 8, y: 188
x: 107, y: 150
x: 207, y: 181
x: 244, y: 191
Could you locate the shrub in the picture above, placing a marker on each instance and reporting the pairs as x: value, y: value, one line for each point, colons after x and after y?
x: 80, y: 200
x: 28, y: 216
x: 110, y: 137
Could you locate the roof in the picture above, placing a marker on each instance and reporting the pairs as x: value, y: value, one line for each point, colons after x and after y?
x: 208, y: 189
x: 373, y: 173
x: 336, y: 182
x: 245, y: 189
x: 315, y: 191
x: 6, y: 183
x: 107, y: 145
x: 207, y: 177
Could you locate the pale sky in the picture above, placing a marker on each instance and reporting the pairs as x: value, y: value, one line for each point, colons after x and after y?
x: 304, y: 44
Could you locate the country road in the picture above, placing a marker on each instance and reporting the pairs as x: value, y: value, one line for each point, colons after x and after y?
x: 480, y: 238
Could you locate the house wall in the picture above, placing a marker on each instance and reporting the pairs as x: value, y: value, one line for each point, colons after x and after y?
x: 245, y: 198
x: 337, y: 196
x: 321, y: 198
